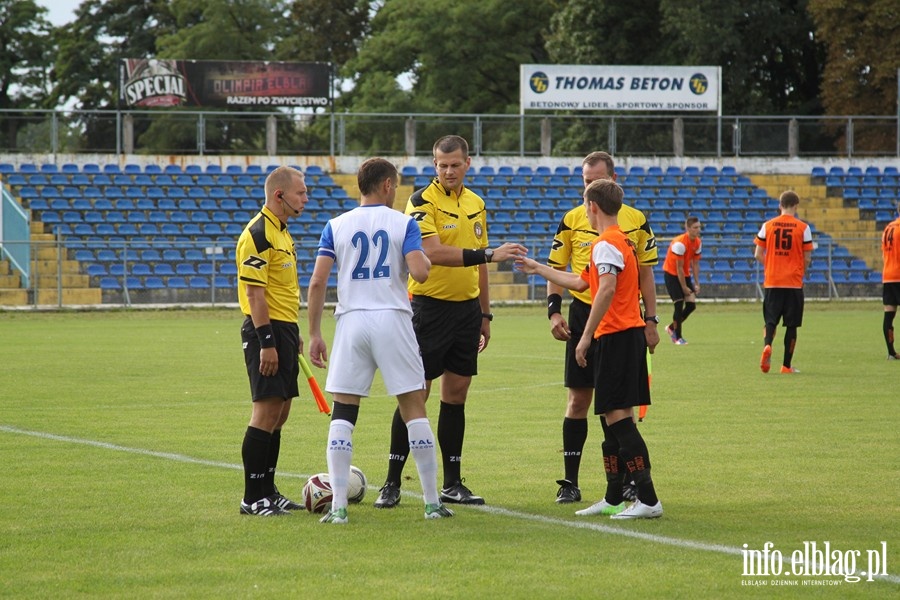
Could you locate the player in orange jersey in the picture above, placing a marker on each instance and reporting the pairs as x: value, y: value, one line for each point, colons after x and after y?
x: 614, y: 339
x: 890, y: 277
x: 784, y: 247
x: 682, y: 259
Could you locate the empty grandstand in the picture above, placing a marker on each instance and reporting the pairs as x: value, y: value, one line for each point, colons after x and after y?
x: 165, y: 233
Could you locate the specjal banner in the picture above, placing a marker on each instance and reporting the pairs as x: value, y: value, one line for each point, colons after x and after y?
x: 156, y: 82
x: 619, y: 88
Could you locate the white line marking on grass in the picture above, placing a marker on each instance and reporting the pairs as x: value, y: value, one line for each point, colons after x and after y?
x: 648, y: 537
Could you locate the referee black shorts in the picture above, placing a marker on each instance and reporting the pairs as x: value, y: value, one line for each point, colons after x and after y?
x: 448, y: 334
x: 282, y: 384
x: 785, y: 304
x: 576, y: 376
x: 621, y: 367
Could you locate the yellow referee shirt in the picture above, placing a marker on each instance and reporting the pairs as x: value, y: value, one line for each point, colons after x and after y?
x: 572, y: 242
x: 265, y: 257
x: 457, y: 220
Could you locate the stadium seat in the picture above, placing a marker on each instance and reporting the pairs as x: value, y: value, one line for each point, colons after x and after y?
x: 163, y: 269
x: 154, y: 283
x: 96, y: 270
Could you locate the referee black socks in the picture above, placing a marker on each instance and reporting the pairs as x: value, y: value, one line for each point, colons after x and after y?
x: 450, y: 433
x: 399, y: 449
x: 255, y: 456
x: 575, y: 433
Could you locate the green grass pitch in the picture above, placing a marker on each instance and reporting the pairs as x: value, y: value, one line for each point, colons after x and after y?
x: 120, y: 439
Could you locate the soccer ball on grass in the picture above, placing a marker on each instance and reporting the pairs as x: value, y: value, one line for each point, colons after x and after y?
x: 317, y: 495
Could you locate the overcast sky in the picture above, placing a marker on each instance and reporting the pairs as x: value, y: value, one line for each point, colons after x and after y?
x: 60, y: 11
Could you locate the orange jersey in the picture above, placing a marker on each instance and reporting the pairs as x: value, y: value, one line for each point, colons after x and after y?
x: 614, y: 255
x: 786, y: 239
x: 890, y: 250
x: 685, y: 248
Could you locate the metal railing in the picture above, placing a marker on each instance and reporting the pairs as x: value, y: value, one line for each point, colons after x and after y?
x: 186, y: 132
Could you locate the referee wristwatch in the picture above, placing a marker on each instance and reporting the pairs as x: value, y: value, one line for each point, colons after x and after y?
x: 488, y: 316
x: 654, y: 318
x: 488, y: 255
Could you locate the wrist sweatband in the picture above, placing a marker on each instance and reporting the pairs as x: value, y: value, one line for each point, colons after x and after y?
x: 266, y: 336
x: 554, y: 305
x: 473, y: 257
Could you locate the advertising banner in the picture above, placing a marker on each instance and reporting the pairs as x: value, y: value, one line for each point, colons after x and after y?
x: 619, y: 88
x: 155, y: 82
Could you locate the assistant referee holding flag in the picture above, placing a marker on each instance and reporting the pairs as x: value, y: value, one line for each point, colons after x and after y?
x: 269, y: 295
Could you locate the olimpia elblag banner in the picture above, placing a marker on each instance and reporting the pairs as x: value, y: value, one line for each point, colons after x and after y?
x: 156, y: 82
x: 608, y: 87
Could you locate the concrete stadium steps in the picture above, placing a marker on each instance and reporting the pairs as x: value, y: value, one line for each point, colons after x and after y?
x: 348, y: 182
x: 829, y: 214
x: 50, y: 269
x: 11, y: 292
x: 504, y: 286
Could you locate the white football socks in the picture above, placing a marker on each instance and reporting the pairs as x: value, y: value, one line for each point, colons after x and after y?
x: 339, y: 454
x: 421, y: 446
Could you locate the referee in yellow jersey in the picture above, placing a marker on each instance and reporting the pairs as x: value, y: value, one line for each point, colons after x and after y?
x: 571, y: 248
x: 269, y: 294
x: 451, y: 310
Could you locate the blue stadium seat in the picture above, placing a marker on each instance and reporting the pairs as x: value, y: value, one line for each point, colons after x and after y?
x: 83, y: 230
x: 169, y: 229
x: 163, y: 269
x: 185, y: 268
x: 154, y: 283
x: 177, y: 283
x: 191, y: 229
x: 109, y: 283
x: 96, y: 270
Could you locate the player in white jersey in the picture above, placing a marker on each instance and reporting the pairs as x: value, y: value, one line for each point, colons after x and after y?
x: 375, y: 248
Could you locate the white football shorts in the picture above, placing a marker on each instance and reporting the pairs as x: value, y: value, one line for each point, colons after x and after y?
x: 368, y: 339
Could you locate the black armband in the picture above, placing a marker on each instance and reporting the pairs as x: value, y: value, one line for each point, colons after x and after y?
x: 473, y: 257
x: 266, y: 336
x: 554, y: 305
